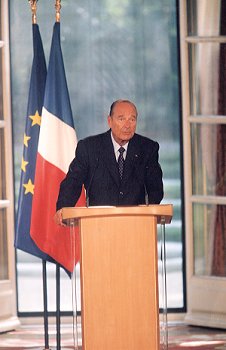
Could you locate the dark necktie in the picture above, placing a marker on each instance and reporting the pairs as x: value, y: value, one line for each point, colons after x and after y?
x: 121, y: 161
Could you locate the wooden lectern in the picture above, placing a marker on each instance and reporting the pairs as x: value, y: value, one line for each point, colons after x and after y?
x: 119, y: 275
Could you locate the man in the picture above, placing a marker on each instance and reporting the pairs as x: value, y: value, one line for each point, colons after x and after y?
x: 135, y: 180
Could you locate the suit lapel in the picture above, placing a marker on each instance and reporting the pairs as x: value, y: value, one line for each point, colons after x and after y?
x: 109, y: 157
x: 132, y: 159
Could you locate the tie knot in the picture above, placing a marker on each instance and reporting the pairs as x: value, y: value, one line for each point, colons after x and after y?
x: 121, y: 150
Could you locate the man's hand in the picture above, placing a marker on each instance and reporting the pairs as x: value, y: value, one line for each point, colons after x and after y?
x: 58, y: 218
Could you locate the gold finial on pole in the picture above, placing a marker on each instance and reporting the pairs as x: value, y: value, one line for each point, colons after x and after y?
x: 58, y: 7
x: 33, y: 5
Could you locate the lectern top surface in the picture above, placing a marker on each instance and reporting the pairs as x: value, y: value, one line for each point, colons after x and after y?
x: 162, y: 211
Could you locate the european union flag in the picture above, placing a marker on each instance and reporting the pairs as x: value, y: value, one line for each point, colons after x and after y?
x: 23, y: 239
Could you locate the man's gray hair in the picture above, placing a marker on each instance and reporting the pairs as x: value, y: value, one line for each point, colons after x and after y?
x: 119, y: 101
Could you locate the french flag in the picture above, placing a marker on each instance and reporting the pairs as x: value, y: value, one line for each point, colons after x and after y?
x: 56, y: 149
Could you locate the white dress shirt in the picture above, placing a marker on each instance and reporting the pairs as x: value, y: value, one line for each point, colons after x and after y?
x: 117, y: 146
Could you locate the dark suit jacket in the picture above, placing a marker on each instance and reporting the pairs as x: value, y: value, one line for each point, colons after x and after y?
x: 95, y: 166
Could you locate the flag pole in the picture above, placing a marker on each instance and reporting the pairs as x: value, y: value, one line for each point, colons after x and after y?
x: 46, y: 325
x: 58, y: 337
x: 58, y: 340
x: 58, y: 8
x: 33, y: 5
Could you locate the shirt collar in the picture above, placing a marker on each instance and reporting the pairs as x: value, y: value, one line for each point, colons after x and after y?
x: 117, y: 146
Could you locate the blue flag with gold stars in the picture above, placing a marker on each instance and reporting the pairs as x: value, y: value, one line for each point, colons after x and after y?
x: 23, y: 239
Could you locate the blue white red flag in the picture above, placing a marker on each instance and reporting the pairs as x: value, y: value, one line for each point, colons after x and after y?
x: 23, y: 239
x: 56, y: 149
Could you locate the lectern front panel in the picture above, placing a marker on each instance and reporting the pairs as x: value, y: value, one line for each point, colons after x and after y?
x: 119, y: 283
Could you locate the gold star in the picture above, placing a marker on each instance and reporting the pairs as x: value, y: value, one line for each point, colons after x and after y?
x: 24, y: 164
x: 26, y: 139
x: 29, y: 187
x: 36, y: 119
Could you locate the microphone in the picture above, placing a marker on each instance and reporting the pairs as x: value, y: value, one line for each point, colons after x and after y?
x: 146, y: 195
x: 90, y: 183
x: 145, y: 188
x: 146, y: 192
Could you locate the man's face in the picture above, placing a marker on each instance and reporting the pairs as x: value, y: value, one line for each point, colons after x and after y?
x: 123, y: 122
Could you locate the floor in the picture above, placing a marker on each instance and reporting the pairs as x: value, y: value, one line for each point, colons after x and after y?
x: 184, y: 337
x: 180, y: 337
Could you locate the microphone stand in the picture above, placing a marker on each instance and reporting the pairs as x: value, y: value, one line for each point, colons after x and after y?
x: 58, y: 323
x: 90, y: 183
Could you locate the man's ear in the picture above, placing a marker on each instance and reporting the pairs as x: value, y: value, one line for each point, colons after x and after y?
x: 109, y: 121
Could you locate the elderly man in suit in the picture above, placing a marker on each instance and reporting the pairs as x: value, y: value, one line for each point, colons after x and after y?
x: 118, y: 167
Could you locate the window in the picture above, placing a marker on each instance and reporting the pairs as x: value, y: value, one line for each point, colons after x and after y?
x: 112, y: 49
x: 203, y: 52
x: 8, y: 318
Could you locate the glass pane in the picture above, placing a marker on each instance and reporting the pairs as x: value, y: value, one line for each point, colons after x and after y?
x: 174, y: 265
x: 205, y: 83
x: 2, y: 166
x: 3, y: 246
x: 109, y: 54
x: 29, y: 270
x: 208, y: 159
x: 203, y: 17
x: 209, y: 227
